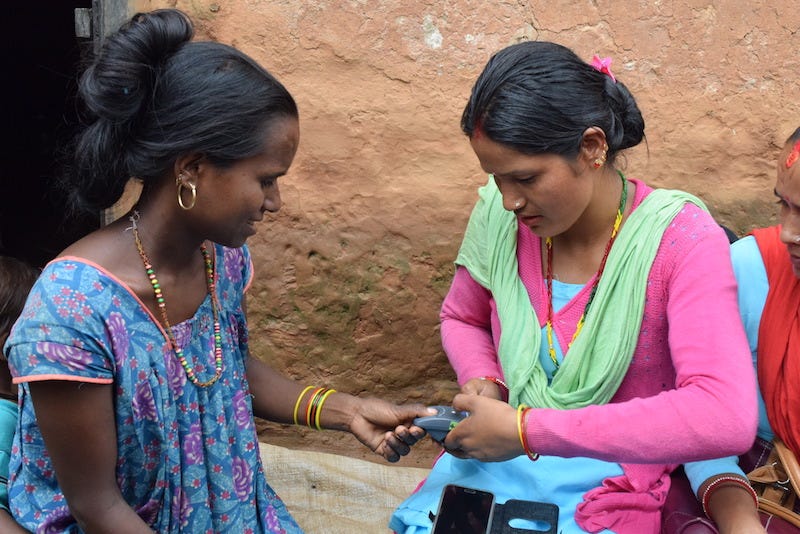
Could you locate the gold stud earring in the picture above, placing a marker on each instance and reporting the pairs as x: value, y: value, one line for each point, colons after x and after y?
x: 600, y: 161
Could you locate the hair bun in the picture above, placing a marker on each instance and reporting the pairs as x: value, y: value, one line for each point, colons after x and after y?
x: 126, y: 69
x: 152, y: 96
x: 115, y: 89
x: 626, y: 113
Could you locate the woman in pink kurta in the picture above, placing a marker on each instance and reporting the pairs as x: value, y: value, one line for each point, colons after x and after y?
x: 592, y: 321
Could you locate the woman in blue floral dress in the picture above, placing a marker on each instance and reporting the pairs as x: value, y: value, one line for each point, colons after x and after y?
x: 137, y: 390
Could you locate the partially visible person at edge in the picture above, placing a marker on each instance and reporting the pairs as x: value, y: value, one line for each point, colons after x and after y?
x: 137, y: 388
x: 592, y: 321
x: 767, y: 267
x: 16, y: 279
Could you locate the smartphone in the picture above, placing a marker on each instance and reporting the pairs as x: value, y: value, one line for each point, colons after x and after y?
x: 464, y: 511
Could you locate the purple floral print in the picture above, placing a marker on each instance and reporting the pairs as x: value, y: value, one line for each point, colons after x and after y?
x: 188, y: 457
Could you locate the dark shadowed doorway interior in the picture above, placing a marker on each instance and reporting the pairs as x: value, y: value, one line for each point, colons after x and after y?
x: 42, y: 56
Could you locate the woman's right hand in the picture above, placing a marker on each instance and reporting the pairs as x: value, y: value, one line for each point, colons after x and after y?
x: 483, y: 387
x: 489, y: 433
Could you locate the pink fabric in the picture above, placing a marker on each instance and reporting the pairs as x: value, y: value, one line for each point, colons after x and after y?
x: 690, y: 392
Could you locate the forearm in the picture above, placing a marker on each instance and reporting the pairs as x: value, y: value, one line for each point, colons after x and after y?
x: 467, y: 330
x: 273, y: 394
x: 283, y: 400
x: 666, y: 428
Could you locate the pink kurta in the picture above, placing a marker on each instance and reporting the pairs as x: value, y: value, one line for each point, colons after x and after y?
x: 689, y: 392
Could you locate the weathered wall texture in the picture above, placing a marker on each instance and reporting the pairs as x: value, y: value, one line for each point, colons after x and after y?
x: 351, y: 273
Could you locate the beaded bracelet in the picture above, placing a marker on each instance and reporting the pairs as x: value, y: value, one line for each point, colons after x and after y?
x: 503, y: 385
x: 726, y: 481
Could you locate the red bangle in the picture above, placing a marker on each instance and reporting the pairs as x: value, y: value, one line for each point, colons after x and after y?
x: 313, y: 403
x: 503, y: 385
x: 522, y: 428
x: 726, y: 481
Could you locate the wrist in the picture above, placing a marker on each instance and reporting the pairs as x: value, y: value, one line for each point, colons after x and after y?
x: 500, y: 384
x: 728, y: 493
x: 308, y: 407
x: 522, y: 430
x: 340, y: 411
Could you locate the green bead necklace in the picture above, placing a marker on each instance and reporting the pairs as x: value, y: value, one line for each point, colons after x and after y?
x: 162, y: 308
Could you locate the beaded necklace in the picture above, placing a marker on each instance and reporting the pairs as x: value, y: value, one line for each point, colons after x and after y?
x: 549, y: 248
x: 162, y: 308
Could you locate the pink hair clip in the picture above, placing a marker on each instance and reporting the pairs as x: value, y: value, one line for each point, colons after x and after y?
x: 603, y: 65
x: 794, y: 155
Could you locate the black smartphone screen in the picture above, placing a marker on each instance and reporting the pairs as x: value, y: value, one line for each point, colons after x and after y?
x: 464, y: 511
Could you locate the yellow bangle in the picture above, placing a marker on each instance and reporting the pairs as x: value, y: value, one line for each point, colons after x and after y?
x: 319, y: 407
x: 520, y: 409
x: 297, y: 404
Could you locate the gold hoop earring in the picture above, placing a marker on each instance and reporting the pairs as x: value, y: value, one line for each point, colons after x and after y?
x: 192, y: 188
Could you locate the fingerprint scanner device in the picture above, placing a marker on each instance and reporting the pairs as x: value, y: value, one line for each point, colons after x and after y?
x: 442, y: 422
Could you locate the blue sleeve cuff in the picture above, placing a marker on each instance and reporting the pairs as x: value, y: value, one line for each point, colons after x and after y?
x: 698, y: 472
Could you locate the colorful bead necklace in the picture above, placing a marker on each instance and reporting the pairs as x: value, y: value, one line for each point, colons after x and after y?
x: 549, y: 248
x: 162, y: 307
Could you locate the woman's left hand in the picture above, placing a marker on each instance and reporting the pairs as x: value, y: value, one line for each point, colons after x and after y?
x: 488, y: 434
x: 387, y: 429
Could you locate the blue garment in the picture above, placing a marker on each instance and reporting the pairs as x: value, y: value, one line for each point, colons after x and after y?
x: 188, y: 457
x: 751, y: 276
x: 561, y: 481
x: 8, y: 422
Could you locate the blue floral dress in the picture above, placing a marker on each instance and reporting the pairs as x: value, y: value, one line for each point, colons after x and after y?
x: 188, y: 456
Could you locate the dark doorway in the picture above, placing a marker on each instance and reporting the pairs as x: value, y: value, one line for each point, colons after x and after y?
x: 42, y: 60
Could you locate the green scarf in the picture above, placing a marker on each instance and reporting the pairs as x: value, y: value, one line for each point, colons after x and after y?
x: 599, y: 358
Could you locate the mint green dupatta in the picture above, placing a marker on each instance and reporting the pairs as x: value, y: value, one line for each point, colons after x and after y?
x: 599, y: 358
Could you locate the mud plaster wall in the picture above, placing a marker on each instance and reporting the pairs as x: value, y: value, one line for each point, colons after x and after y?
x: 351, y: 273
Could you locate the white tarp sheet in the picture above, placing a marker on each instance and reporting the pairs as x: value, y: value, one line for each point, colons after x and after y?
x: 333, y: 494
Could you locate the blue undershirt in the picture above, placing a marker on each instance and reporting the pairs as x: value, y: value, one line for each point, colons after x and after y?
x: 751, y: 277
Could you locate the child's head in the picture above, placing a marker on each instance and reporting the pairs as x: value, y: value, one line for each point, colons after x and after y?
x: 787, y: 189
x: 153, y: 95
x: 16, y: 280
x: 539, y: 98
